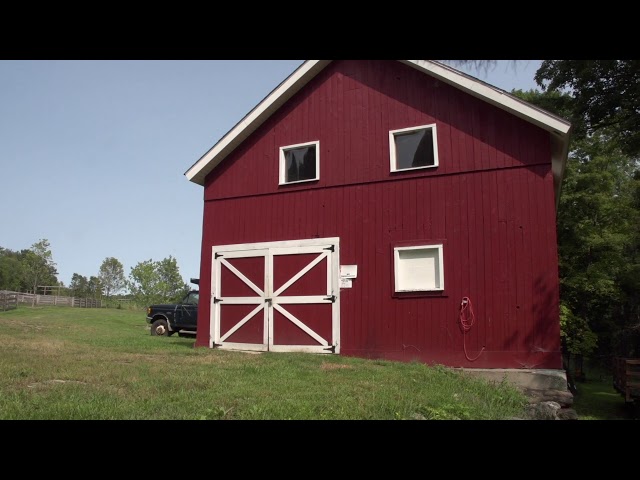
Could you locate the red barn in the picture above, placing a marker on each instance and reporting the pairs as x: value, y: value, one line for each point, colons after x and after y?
x: 385, y: 209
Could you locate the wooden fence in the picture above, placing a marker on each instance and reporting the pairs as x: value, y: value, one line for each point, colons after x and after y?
x: 8, y: 301
x: 626, y: 377
x: 57, y: 300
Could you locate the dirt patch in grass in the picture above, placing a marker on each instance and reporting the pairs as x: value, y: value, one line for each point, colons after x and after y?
x: 24, y: 325
x: 54, y: 382
x: 42, y: 347
x: 162, y: 358
x: 333, y: 366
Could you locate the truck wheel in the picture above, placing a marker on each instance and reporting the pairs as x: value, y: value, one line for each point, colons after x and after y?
x: 159, y: 328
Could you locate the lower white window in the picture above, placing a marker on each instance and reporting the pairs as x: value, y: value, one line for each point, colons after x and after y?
x: 418, y: 268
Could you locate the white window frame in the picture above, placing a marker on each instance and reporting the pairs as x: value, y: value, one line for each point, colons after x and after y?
x: 426, y: 246
x: 392, y: 147
x: 283, y: 176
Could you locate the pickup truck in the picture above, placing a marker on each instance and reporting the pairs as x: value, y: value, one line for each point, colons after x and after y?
x: 180, y: 318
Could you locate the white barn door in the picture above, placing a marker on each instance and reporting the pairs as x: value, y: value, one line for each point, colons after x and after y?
x: 276, y: 296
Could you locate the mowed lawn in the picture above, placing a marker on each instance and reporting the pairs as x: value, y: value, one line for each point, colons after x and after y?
x: 73, y: 363
x: 596, y: 398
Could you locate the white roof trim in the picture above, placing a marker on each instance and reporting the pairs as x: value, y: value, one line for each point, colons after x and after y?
x: 493, y: 95
x: 256, y: 117
x: 558, y: 127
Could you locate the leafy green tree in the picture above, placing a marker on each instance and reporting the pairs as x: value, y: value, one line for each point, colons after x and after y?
x: 95, y: 287
x: 142, y: 282
x: 627, y: 340
x: 156, y: 282
x: 478, y: 65
x: 11, y: 271
x: 606, y: 95
x: 559, y: 103
x: 79, y: 286
x: 596, y: 234
x: 577, y: 337
x: 39, y: 267
x: 170, y: 282
x: 112, y: 276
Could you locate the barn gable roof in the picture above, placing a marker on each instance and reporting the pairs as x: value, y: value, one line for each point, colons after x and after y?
x: 557, y: 127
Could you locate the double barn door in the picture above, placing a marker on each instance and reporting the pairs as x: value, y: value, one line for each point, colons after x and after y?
x: 276, y: 296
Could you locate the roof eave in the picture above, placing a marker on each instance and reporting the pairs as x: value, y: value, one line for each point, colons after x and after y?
x: 493, y: 95
x: 256, y: 117
x: 557, y: 127
x: 559, y: 158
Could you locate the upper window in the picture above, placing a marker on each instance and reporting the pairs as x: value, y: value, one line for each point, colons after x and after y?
x: 300, y: 163
x: 418, y: 268
x: 413, y: 148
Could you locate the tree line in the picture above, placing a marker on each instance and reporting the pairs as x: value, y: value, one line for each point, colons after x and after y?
x: 148, y: 281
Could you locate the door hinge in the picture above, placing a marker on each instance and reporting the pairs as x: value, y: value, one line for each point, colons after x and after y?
x: 332, y: 248
x: 217, y: 255
x: 332, y: 298
x: 332, y: 348
x: 216, y: 300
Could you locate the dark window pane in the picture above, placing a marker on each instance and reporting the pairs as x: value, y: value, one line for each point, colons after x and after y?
x: 300, y: 163
x: 414, y: 149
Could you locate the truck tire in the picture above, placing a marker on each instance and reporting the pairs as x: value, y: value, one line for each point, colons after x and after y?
x: 160, y: 328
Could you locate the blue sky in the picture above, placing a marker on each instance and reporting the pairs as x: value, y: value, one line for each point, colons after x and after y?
x: 93, y: 153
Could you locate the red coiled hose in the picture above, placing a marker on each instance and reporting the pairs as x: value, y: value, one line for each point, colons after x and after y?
x: 467, y: 319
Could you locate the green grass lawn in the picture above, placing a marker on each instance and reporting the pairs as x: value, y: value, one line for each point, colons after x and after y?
x: 72, y: 363
x: 598, y: 400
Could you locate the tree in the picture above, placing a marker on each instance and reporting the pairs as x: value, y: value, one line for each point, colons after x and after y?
x: 79, y: 286
x: 596, y: 223
x: 478, y: 65
x: 156, y: 282
x: 38, y: 264
x: 606, y: 94
x: 170, y: 283
x: 112, y: 276
x: 94, y: 287
x: 577, y: 337
x: 11, y: 270
x: 559, y: 103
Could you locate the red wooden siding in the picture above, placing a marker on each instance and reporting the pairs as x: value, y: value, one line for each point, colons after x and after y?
x: 351, y: 106
x: 490, y: 202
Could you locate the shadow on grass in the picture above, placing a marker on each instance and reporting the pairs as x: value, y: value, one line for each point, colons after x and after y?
x: 596, y: 399
x: 183, y: 341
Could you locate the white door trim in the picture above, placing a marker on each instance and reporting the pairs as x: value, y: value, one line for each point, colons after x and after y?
x: 217, y: 261
x: 238, y: 274
x: 268, y: 250
x: 292, y: 280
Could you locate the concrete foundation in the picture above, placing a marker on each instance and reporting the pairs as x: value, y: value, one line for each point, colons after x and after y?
x: 526, y: 379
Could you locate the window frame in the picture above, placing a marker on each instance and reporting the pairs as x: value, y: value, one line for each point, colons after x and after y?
x: 283, y: 162
x: 439, y: 246
x: 392, y: 147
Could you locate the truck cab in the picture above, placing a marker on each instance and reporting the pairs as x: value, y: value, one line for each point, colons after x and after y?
x: 181, y: 317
